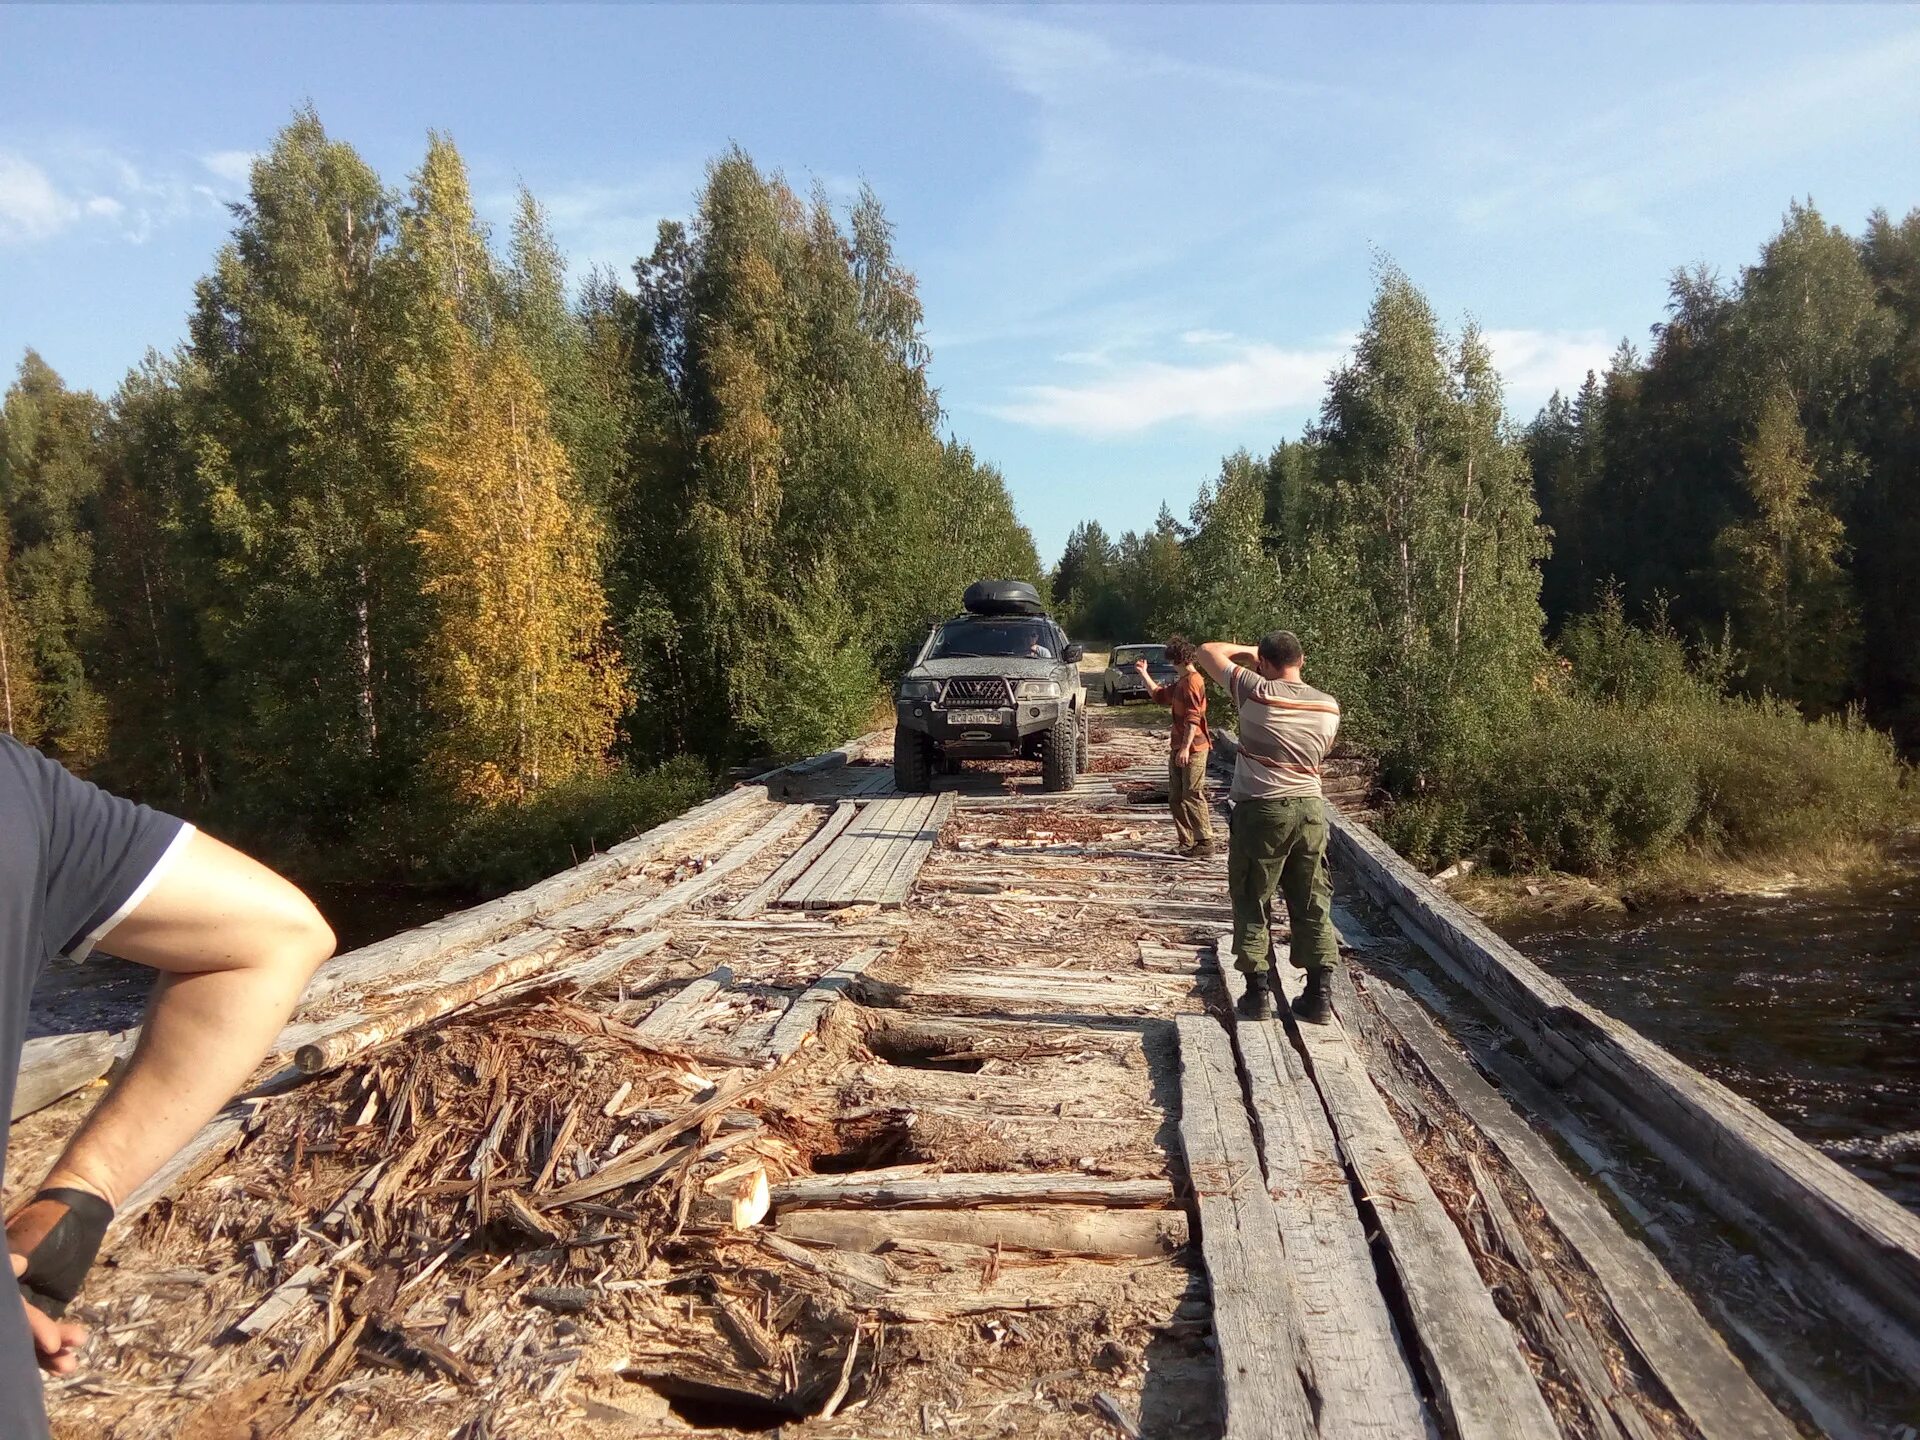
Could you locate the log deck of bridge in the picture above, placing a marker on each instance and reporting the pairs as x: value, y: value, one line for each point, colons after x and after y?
x: 865, y: 1115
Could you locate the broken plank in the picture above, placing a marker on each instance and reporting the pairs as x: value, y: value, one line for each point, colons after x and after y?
x: 1256, y: 1316
x: 1678, y: 1345
x: 1366, y: 1384
x: 1065, y: 1230
x: 679, y: 1015
x: 1472, y: 1358
x: 343, y: 1045
x: 803, y: 1017
x: 795, y: 864
x: 960, y: 989
x: 950, y: 1192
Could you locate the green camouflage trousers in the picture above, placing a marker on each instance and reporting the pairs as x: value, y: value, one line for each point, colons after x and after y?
x: 1281, y: 844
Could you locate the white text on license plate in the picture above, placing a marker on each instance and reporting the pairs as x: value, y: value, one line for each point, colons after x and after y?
x: 973, y: 717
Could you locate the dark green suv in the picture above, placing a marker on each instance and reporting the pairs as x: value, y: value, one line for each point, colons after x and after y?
x: 1000, y: 681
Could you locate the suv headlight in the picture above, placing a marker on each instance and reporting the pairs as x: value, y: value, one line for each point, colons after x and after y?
x: 1039, y: 690
x: 919, y: 689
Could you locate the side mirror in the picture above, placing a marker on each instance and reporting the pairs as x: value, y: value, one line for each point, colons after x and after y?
x: 1073, y: 652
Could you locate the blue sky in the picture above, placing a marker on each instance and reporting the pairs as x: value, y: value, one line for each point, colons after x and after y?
x: 1143, y: 234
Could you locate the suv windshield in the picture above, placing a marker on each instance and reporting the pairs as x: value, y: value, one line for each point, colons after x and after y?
x: 975, y: 636
x: 1152, y: 654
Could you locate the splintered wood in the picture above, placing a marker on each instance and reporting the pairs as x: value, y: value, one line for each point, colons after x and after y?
x: 835, y: 1112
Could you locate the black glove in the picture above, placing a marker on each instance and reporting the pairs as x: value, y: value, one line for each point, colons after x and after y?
x: 59, y: 1232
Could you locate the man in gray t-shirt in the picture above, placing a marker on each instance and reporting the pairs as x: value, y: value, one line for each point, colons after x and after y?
x: 1277, y: 837
x: 235, y: 945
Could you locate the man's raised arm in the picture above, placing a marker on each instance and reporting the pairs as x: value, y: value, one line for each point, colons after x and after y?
x: 1218, y: 657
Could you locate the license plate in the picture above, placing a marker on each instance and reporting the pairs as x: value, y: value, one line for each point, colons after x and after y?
x: 973, y: 717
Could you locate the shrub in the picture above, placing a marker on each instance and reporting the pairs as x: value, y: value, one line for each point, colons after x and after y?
x: 1596, y: 787
x: 1613, y: 660
x: 1583, y: 787
x: 503, y: 847
x: 1772, y: 784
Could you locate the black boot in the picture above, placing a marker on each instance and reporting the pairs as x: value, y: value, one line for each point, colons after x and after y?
x: 1315, y: 1005
x: 1257, y: 1003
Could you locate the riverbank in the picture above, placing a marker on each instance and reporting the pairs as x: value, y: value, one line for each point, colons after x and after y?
x: 1802, y: 996
x: 1679, y: 878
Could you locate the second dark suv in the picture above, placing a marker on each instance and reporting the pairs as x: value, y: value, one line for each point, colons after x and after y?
x: 997, y: 682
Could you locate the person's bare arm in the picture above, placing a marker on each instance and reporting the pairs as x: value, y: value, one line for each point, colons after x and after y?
x: 237, y: 944
x: 1218, y: 657
x: 1159, y: 694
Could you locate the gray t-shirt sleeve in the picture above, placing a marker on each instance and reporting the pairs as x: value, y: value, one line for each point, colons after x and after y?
x: 103, y: 854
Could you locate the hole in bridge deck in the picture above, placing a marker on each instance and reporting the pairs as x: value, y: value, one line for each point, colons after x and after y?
x: 911, y: 1052
x: 849, y: 1149
x: 742, y: 1414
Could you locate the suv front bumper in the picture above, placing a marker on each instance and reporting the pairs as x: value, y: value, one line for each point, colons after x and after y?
x: 1010, y: 727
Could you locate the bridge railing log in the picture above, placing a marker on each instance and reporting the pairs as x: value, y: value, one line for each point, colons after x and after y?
x: 485, y: 923
x: 1856, y: 1246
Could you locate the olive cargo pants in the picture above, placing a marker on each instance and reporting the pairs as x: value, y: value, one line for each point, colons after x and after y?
x: 1281, y: 843
x: 1187, y: 795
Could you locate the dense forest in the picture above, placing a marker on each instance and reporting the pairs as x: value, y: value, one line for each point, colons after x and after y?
x: 418, y: 560
x: 1678, y: 612
x: 422, y: 559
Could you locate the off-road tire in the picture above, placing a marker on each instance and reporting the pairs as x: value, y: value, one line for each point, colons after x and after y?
x: 1059, y: 750
x: 1080, y: 745
x: 912, y: 762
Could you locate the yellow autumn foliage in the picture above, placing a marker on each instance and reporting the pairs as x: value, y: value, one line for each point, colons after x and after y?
x: 524, y: 681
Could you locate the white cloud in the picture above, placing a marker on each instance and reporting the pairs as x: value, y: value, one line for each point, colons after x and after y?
x: 91, y: 190
x: 31, y: 206
x: 1535, y: 363
x: 1253, y: 379
x: 233, y: 166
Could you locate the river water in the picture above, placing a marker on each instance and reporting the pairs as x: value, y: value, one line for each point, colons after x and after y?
x: 1807, y: 1004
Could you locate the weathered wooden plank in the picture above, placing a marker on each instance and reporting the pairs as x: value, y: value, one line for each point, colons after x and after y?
x: 903, y: 835
x: 795, y: 865
x: 679, y: 1015
x: 860, y: 1191
x: 1687, y: 1355
x: 893, y: 1034
x: 380, y: 1027
x: 964, y: 989
x: 803, y: 1017
x: 678, y: 897
x: 832, y: 865
x: 888, y: 833
x: 1859, y: 1248
x: 1365, y: 1383
x: 1256, y: 1316
x: 484, y: 924
x: 1472, y: 1358
x: 894, y: 888
x: 879, y: 851
x: 1057, y: 1230
x: 54, y: 1066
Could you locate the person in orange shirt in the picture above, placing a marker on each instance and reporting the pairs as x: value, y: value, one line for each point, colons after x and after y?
x: 1187, y: 748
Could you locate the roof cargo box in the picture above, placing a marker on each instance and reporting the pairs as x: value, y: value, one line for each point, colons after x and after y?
x: 1002, y: 597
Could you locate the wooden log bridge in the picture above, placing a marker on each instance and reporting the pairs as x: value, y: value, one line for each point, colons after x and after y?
x: 837, y: 1111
